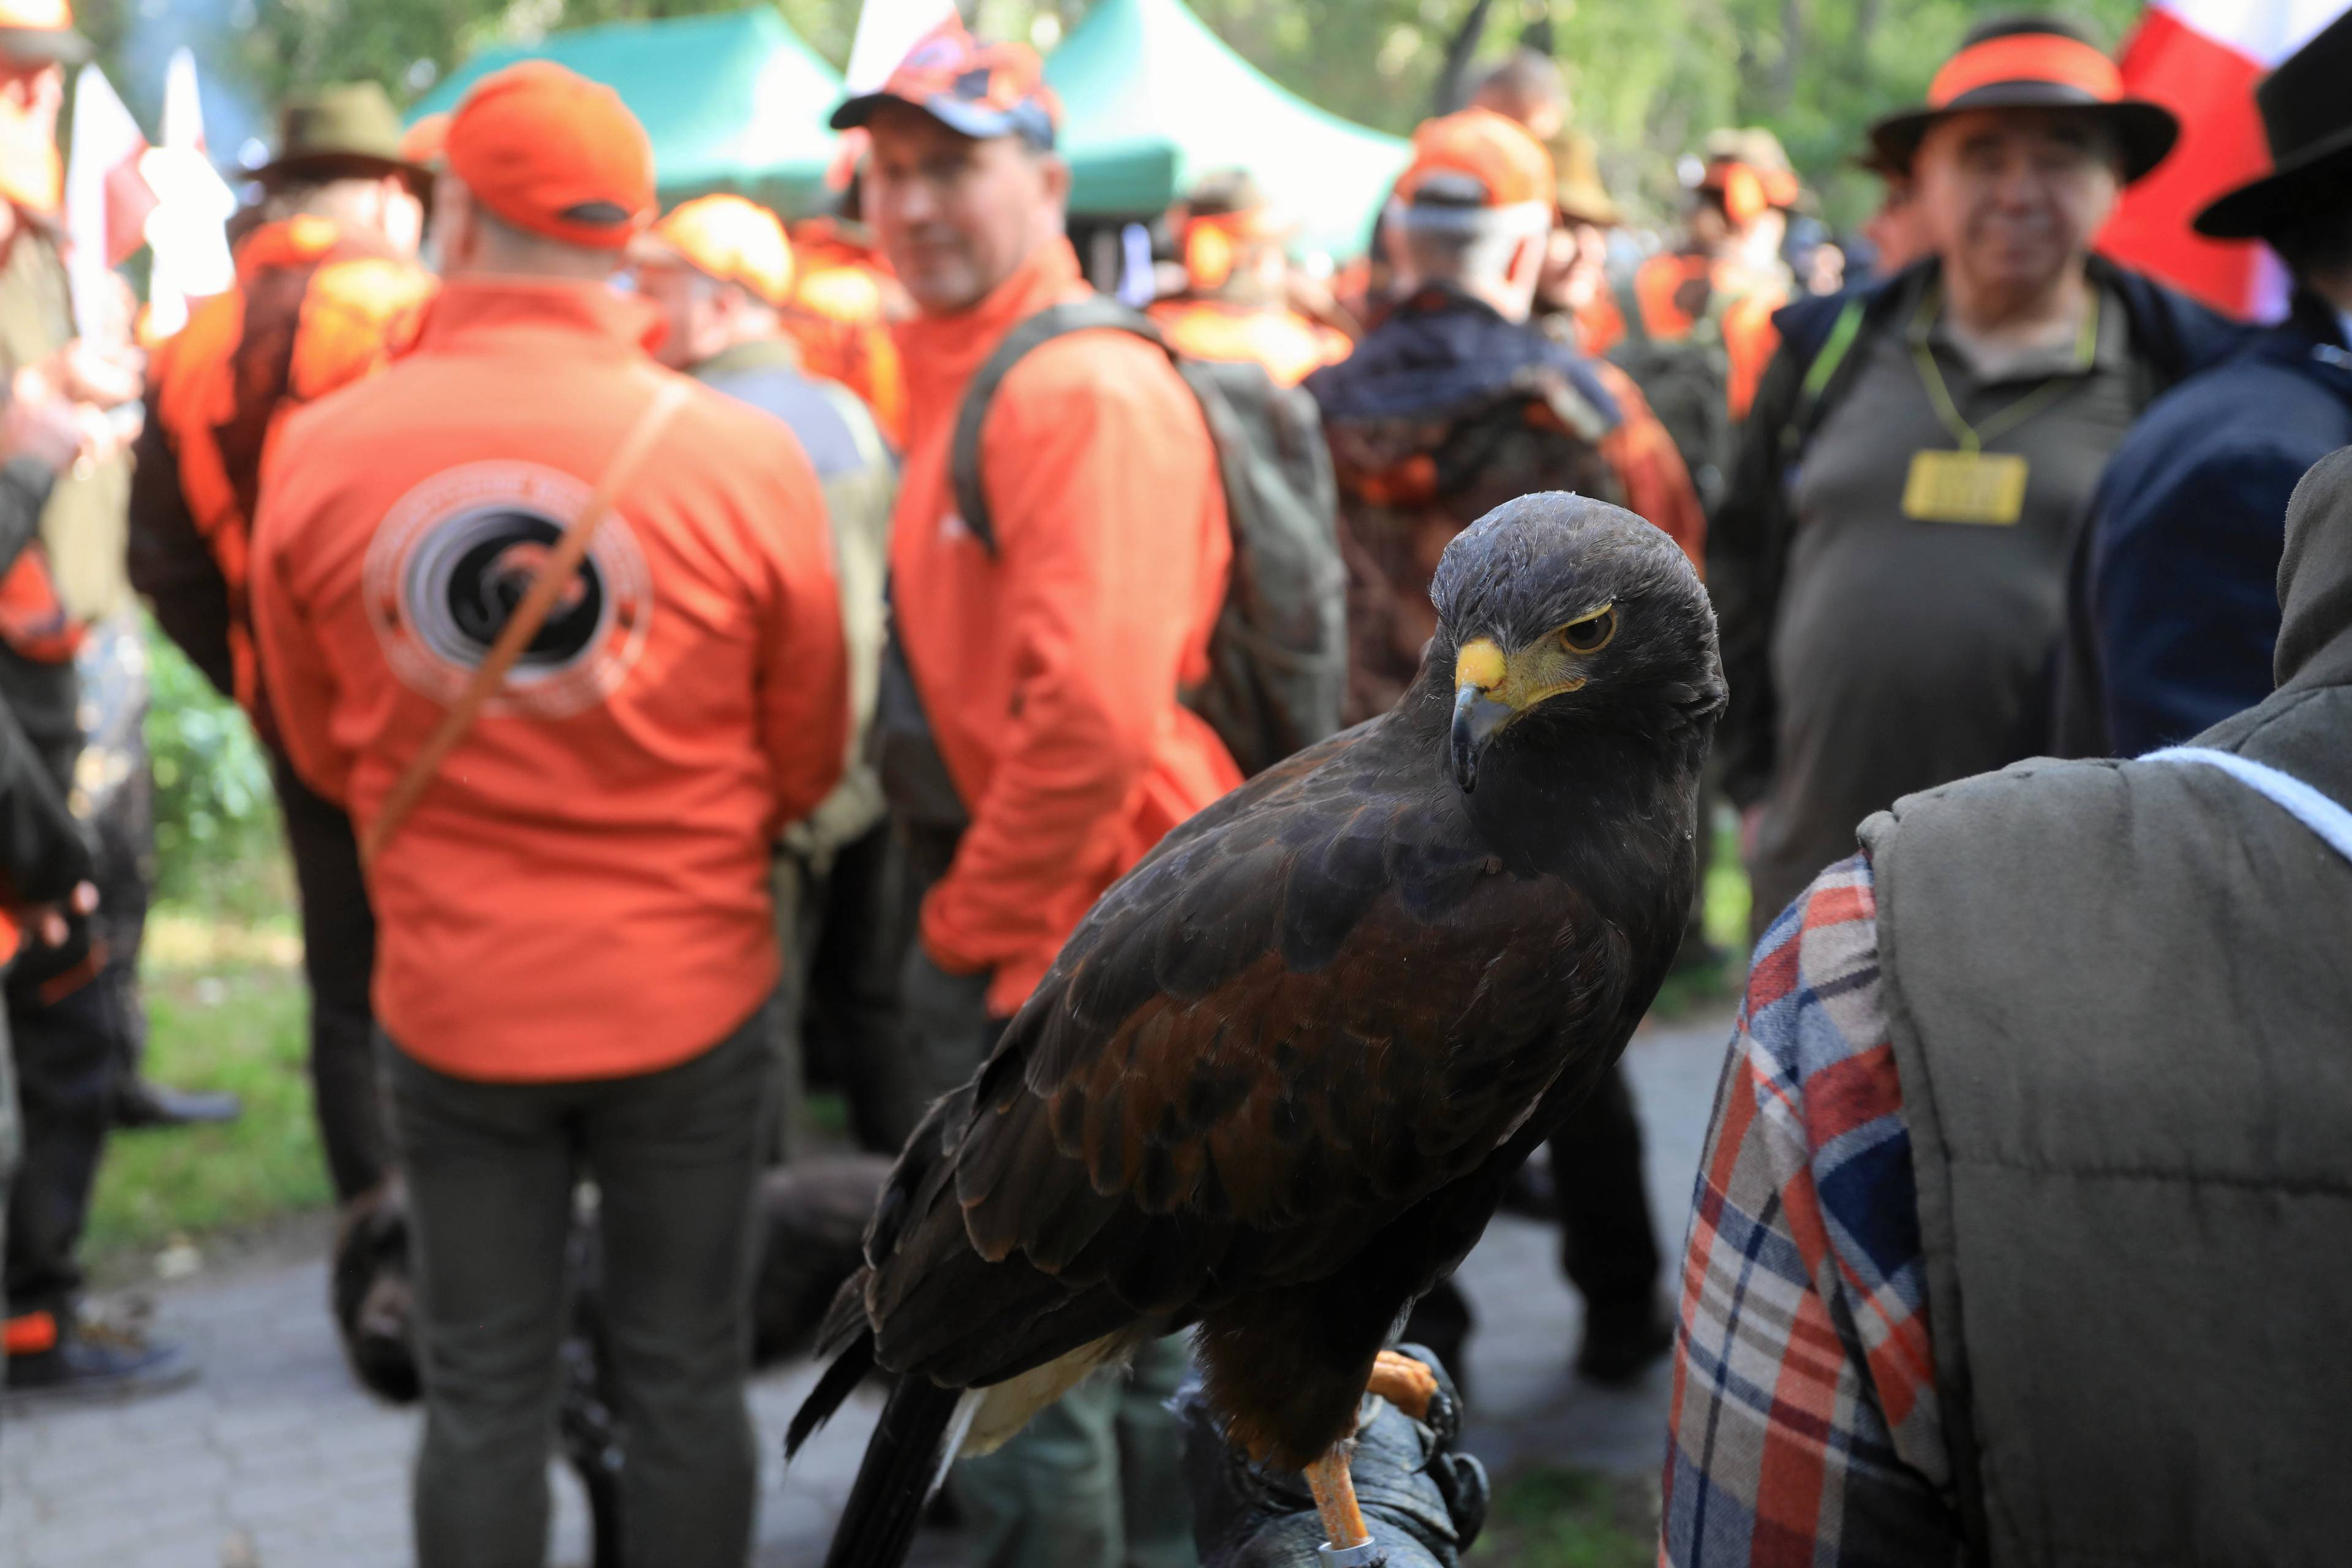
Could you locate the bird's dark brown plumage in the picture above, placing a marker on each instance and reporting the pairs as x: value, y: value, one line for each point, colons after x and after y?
x: 1274, y: 1081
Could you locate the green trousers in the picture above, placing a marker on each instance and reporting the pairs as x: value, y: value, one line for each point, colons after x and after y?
x: 1093, y: 1482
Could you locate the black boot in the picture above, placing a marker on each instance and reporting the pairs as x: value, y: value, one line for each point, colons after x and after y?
x: 1620, y: 1341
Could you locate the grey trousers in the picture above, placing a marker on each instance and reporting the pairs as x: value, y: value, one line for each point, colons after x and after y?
x: 1095, y: 1481
x: 493, y: 1168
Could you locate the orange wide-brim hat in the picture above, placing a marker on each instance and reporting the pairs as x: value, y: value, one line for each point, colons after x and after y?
x: 2034, y: 70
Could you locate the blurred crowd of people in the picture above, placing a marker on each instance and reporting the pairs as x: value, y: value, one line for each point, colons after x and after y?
x: 700, y: 655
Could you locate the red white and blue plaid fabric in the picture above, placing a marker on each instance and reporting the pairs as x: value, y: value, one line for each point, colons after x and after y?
x: 1805, y: 1428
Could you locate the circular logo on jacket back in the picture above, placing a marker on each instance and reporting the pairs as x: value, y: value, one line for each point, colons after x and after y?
x: 454, y: 557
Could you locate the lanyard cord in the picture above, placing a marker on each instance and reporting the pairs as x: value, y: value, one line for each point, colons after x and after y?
x: 1971, y: 437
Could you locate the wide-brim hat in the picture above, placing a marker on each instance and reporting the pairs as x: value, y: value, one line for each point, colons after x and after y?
x: 2034, y: 69
x: 2307, y: 119
x: 345, y: 132
x: 1580, y: 193
x: 41, y: 30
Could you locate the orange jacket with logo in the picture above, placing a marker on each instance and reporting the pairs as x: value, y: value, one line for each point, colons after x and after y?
x: 1050, y: 670
x: 1288, y: 344
x: 582, y: 892
x: 315, y: 308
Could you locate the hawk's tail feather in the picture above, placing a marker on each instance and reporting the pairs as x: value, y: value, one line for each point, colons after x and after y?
x: 921, y: 1428
x: 847, y: 1370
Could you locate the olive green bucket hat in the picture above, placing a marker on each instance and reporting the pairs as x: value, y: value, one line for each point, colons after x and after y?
x: 346, y: 130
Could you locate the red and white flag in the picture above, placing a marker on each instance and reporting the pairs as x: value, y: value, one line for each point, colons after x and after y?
x: 107, y: 197
x: 2200, y: 58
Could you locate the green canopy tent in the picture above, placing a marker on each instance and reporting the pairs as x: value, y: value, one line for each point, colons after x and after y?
x: 1153, y: 100
x: 732, y: 102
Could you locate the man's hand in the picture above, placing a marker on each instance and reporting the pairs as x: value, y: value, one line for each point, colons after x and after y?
x: 101, y: 375
x: 51, y: 925
x: 1424, y: 1501
x: 40, y: 424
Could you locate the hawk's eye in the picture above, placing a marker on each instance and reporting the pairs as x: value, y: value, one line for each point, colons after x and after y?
x: 1591, y: 633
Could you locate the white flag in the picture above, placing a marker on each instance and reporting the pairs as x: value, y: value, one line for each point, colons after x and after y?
x: 189, y: 227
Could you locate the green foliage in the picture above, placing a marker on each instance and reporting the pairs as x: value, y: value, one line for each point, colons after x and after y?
x: 218, y: 842
x: 1650, y: 76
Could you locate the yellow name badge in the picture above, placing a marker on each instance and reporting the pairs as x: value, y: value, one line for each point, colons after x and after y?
x: 1964, y: 487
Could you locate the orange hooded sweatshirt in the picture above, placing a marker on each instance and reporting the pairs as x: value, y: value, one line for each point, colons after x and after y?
x: 582, y: 892
x: 1050, y: 670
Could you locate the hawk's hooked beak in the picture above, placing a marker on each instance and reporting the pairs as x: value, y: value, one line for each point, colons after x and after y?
x: 1479, y: 671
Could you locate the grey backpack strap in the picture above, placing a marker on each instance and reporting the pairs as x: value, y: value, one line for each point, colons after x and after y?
x: 1097, y: 311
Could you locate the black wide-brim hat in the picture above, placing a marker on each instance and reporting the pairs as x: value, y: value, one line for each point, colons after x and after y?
x: 2034, y: 70
x: 2307, y: 119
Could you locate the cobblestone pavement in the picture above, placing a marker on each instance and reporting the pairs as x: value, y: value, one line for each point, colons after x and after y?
x: 275, y: 1459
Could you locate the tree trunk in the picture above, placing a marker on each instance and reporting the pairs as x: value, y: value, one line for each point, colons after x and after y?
x: 1454, y: 82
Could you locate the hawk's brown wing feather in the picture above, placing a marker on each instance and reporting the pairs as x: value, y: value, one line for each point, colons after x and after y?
x: 1318, y: 1002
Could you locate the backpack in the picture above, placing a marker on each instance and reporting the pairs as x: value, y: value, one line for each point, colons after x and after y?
x: 1278, y: 655
x: 1688, y: 385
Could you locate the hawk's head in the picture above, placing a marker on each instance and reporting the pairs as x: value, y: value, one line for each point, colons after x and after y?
x: 1573, y: 610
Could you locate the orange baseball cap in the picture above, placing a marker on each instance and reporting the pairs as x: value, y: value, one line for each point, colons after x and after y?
x: 970, y: 85
x: 1476, y: 162
x: 41, y: 30
x: 554, y: 153
x: 731, y: 239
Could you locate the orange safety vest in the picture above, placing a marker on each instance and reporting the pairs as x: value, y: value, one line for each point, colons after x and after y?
x: 315, y: 308
x: 1674, y: 291
x: 1288, y: 344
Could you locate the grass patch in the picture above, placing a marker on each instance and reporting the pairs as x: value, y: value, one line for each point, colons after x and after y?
x: 226, y: 1005
x: 1568, y: 1519
x: 226, y: 1009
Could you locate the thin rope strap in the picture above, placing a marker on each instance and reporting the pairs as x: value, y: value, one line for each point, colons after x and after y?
x: 2316, y: 811
x: 554, y: 576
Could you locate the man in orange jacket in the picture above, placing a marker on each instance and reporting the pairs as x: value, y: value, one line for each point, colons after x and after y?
x: 1237, y: 304
x: 1047, y: 660
x: 327, y: 288
x: 1699, y: 321
x: 577, y: 948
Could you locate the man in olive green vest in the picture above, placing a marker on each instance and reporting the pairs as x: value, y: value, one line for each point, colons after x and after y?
x: 2022, y: 1235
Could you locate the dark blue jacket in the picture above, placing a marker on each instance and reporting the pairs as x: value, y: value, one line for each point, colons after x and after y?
x: 2173, y: 612
x: 1440, y: 353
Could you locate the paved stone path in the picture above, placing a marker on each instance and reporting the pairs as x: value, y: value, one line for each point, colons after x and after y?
x: 275, y: 1459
